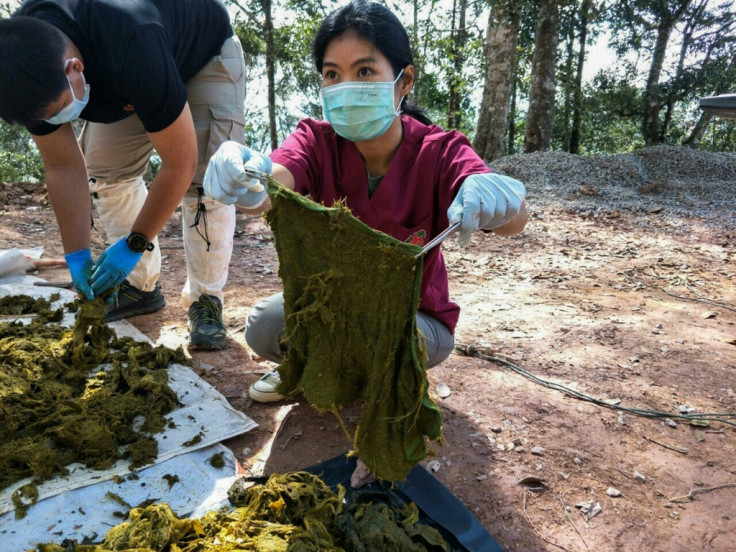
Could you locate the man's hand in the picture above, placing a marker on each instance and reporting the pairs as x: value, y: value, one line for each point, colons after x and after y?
x: 80, y: 268
x: 113, y: 266
x: 226, y: 180
x: 485, y: 201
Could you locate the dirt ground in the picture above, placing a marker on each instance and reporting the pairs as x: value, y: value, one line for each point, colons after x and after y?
x: 633, y: 307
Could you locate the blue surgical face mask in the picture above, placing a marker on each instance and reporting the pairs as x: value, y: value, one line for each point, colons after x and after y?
x: 360, y: 110
x: 73, y: 110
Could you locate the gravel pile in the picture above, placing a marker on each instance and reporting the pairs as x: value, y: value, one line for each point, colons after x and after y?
x: 679, y: 181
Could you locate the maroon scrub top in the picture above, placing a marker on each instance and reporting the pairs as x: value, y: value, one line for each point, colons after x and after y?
x: 409, y: 204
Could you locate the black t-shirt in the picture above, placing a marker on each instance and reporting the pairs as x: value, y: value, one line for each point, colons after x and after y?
x: 137, y: 53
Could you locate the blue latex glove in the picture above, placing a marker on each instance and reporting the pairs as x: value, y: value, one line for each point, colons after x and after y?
x: 485, y: 201
x: 80, y: 267
x: 113, y: 266
x: 226, y: 181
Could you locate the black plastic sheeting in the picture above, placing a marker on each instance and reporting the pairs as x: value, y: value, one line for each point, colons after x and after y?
x: 721, y: 106
x: 438, y: 507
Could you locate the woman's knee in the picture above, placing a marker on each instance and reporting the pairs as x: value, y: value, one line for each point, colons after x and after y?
x: 438, y: 340
x: 264, y: 326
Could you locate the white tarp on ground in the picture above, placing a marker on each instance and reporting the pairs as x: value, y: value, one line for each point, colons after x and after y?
x: 204, y: 413
x: 18, y: 261
x: 90, y: 511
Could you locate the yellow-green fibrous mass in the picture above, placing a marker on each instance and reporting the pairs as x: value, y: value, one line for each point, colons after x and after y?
x: 292, y: 512
x: 351, y: 296
x: 76, y: 395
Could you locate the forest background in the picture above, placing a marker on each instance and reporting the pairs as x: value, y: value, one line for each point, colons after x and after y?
x: 516, y: 76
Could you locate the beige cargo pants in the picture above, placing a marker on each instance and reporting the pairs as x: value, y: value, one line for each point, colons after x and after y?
x: 117, y: 157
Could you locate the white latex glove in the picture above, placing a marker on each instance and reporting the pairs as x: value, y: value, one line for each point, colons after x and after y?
x: 226, y: 181
x: 485, y: 201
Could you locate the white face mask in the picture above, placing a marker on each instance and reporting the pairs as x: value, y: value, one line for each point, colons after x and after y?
x: 74, y: 109
x: 360, y: 110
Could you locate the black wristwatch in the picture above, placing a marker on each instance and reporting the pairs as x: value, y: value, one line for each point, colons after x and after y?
x: 138, y: 242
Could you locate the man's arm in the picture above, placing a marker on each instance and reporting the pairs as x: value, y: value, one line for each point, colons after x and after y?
x: 66, y: 183
x: 177, y: 147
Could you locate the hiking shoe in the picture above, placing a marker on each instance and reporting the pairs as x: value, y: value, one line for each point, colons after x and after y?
x: 264, y: 390
x: 206, y: 329
x: 132, y: 301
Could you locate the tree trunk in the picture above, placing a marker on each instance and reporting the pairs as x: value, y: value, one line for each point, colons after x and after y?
x: 426, y: 37
x: 653, y: 100
x: 687, y: 40
x: 454, y: 112
x: 500, y: 54
x: 578, y: 92
x: 270, y: 71
x: 511, y: 149
x: 415, y: 48
x: 696, y: 135
x: 542, y: 90
x: 568, y: 77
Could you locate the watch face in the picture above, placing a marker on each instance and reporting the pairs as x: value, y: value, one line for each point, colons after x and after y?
x: 137, y: 242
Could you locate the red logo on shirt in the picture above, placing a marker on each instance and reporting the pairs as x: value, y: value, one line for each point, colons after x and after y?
x: 417, y: 238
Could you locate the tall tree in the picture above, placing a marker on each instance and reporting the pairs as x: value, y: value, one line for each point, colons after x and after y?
x: 511, y: 139
x: 263, y: 7
x: 458, y: 39
x: 692, y: 20
x: 703, y: 34
x: 414, y: 35
x: 701, y: 125
x: 543, y: 80
x: 270, y: 71
x: 499, y: 52
x: 568, y: 26
x: 428, y: 47
x: 585, y: 10
x: 665, y: 15
x: 708, y: 35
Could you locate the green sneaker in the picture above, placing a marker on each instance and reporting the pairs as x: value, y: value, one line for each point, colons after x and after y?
x: 264, y: 390
x: 206, y: 329
x: 132, y: 301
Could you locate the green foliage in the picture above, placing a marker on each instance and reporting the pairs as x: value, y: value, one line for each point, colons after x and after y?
x: 720, y: 136
x: 611, y: 114
x: 294, y: 56
x: 612, y: 101
x: 252, y: 41
x: 19, y: 158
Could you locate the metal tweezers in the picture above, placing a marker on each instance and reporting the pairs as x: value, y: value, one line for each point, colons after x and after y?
x: 439, y: 238
x: 255, y: 173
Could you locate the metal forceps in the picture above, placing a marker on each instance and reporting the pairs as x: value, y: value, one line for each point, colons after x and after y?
x: 258, y: 175
x: 439, y: 238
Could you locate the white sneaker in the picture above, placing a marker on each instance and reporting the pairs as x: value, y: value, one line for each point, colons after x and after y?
x: 264, y: 390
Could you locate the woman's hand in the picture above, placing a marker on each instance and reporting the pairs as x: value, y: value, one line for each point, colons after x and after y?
x: 227, y: 181
x: 485, y: 201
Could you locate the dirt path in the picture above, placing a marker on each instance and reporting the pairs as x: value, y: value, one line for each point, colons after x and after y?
x: 633, y: 306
